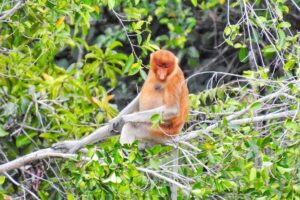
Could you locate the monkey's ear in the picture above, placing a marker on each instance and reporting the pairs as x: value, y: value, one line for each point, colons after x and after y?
x: 151, y: 58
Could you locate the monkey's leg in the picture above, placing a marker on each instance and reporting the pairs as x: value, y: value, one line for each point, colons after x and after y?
x: 100, y: 133
x: 133, y: 131
x: 127, y: 134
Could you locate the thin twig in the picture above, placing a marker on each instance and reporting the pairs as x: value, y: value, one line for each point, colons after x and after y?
x: 185, y: 189
x: 126, y: 33
x: 20, y: 185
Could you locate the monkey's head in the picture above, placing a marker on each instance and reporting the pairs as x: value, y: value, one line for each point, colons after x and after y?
x: 163, y: 63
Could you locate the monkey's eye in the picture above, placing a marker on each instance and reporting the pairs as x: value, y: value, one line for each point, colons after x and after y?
x: 163, y: 65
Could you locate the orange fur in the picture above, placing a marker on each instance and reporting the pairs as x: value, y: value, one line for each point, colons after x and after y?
x: 165, y: 85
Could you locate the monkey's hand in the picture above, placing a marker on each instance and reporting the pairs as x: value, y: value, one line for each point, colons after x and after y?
x: 116, y: 124
x: 67, y: 146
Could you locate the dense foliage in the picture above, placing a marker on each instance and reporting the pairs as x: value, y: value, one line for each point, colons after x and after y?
x: 66, y: 65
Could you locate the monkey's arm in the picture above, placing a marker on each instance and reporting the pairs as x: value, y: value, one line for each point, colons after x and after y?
x: 144, y: 116
x: 116, y: 124
x: 100, y: 133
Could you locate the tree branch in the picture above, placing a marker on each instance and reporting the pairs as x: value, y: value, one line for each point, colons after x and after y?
x: 10, y: 12
x: 194, y: 134
x: 40, y: 154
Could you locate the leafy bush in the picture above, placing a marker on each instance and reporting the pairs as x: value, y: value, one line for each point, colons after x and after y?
x: 62, y: 62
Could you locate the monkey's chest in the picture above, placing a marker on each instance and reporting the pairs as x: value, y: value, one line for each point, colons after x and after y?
x: 151, y: 97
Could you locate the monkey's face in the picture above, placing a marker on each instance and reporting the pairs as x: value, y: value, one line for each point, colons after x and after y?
x: 162, y: 62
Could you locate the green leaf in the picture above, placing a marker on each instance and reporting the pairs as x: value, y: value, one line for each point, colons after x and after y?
x: 243, y: 54
x: 283, y: 170
x: 227, y: 30
x: 289, y: 65
x: 194, y: 2
x: 256, y: 105
x: 70, y: 196
x: 153, y: 46
x: 114, y: 44
x: 291, y: 125
x: 117, y: 156
x: 269, y: 51
x: 135, y: 68
x: 131, y: 156
x: 22, y: 140
x: 138, y: 25
x: 229, y: 42
x: 113, y: 178
x: 296, y: 188
x: 252, y: 175
x: 111, y: 4
x: 225, y: 121
x: 128, y: 63
x: 239, y: 45
x: 284, y: 25
x: 155, y: 120
x: 2, y: 179
x: 197, y: 192
x: 3, y: 133
x: 46, y: 135
x: 143, y: 74
x: 193, y: 52
x: 154, y: 163
x: 229, y: 184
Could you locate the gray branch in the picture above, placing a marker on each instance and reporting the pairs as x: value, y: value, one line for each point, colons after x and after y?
x: 9, y: 13
x: 38, y: 155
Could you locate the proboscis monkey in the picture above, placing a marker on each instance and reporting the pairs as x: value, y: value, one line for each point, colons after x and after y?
x: 164, y: 92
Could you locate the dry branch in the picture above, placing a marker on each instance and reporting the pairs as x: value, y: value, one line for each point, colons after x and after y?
x: 10, y: 12
x: 38, y: 155
x: 194, y: 134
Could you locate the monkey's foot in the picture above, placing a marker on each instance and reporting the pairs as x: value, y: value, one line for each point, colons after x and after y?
x: 67, y: 146
x: 116, y: 124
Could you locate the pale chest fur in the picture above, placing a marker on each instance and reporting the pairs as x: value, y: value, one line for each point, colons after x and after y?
x: 151, y: 96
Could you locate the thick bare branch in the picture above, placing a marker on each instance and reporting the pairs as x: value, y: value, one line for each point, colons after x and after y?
x: 40, y: 154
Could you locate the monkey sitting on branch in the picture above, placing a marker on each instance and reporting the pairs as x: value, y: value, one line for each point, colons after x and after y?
x: 164, y: 92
